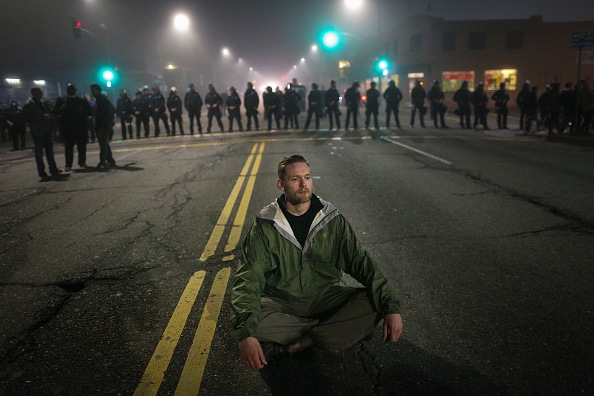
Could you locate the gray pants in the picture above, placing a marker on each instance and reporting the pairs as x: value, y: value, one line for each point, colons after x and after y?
x: 337, y: 320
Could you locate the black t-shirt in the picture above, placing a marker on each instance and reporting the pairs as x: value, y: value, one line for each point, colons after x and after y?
x: 301, y: 224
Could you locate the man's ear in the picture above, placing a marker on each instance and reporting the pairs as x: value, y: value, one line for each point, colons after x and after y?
x: 280, y: 185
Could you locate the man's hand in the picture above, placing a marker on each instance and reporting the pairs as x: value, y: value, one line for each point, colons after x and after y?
x: 392, y: 327
x: 252, y: 354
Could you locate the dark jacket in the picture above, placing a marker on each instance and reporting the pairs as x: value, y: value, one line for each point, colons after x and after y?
x: 393, y: 96
x: 175, y: 102
x: 193, y: 101
x: 251, y: 100
x: 38, y: 116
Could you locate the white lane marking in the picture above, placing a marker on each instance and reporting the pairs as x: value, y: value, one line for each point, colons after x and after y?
x: 419, y: 151
x: 127, y: 155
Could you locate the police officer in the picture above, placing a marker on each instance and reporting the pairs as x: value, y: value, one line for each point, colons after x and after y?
x: 417, y: 97
x: 16, y: 126
x: 463, y: 98
x: 73, y: 112
x: 175, y: 107
x: 141, y: 113
x: 125, y: 110
x: 213, y: 103
x: 251, y: 101
x: 393, y: 96
x: 193, y: 104
x: 332, y: 98
x: 522, y: 102
x: 158, y: 111
x: 234, y: 109
x: 438, y: 107
x: 352, y: 97
x: 479, y: 103
x: 372, y: 105
x: 271, y: 106
x: 501, y: 97
x: 291, y: 100
x: 314, y: 101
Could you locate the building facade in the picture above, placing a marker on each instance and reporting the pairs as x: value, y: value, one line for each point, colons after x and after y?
x: 488, y: 51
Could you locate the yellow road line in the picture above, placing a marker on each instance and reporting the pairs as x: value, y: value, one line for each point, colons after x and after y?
x: 219, y: 228
x: 243, y: 207
x: 155, y: 371
x: 191, y: 376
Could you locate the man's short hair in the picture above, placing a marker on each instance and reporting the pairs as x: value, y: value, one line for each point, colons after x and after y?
x: 35, y: 89
x: 95, y: 87
x: 288, y: 161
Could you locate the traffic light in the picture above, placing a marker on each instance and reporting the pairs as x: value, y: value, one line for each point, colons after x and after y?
x: 109, y: 75
x: 382, y: 65
x: 330, y: 39
x: 76, y: 29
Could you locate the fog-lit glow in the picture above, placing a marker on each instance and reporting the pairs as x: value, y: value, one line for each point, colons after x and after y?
x: 353, y: 4
x: 314, y: 48
x: 39, y: 83
x: 225, y: 51
x: 181, y: 22
x: 302, y: 60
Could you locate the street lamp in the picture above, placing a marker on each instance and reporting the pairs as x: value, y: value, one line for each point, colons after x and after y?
x: 181, y: 22
x: 353, y: 4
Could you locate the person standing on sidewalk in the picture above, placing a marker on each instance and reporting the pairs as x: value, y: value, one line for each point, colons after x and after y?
x: 41, y: 123
x: 103, y: 117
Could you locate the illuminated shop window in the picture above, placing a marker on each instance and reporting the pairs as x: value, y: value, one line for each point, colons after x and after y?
x: 495, y: 77
x: 451, y: 81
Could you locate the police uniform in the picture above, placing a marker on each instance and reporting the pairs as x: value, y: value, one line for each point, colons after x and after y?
x: 140, y: 105
x: 158, y: 111
x: 372, y: 106
x: 193, y: 104
x: 393, y: 96
x: 124, y: 109
x: 332, y: 98
x: 213, y: 103
x: 352, y: 97
x: 175, y: 107
x: 314, y: 100
x: 251, y: 101
x: 234, y: 109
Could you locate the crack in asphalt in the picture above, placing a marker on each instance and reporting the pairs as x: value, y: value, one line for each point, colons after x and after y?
x: 370, y: 366
x: 23, y: 341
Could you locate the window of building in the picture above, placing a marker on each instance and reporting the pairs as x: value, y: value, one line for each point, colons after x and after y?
x: 449, y: 41
x: 514, y: 40
x: 451, y: 81
x: 415, y: 43
x: 477, y: 41
x: 495, y: 77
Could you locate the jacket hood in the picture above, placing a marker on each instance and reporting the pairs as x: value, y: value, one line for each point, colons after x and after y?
x: 273, y: 214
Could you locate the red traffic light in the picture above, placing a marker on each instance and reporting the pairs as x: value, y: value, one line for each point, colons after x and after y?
x: 78, y: 24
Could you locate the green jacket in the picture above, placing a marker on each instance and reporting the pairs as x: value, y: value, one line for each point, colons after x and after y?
x: 274, y: 264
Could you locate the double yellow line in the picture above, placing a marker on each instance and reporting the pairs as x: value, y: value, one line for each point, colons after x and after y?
x: 193, y: 371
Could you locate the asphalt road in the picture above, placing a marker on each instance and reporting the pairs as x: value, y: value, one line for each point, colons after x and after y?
x: 117, y: 282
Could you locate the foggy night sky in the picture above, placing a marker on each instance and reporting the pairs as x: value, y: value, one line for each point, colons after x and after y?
x: 269, y: 35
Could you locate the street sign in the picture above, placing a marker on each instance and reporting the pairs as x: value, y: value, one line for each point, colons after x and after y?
x: 582, y: 39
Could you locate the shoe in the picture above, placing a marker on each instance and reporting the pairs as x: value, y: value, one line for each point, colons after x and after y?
x: 101, y: 165
x: 113, y: 165
x: 272, y: 350
x: 68, y: 168
x: 55, y: 172
x: 82, y: 165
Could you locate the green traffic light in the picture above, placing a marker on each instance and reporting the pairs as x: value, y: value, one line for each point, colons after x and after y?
x: 108, y: 74
x: 382, y: 65
x: 330, y: 39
